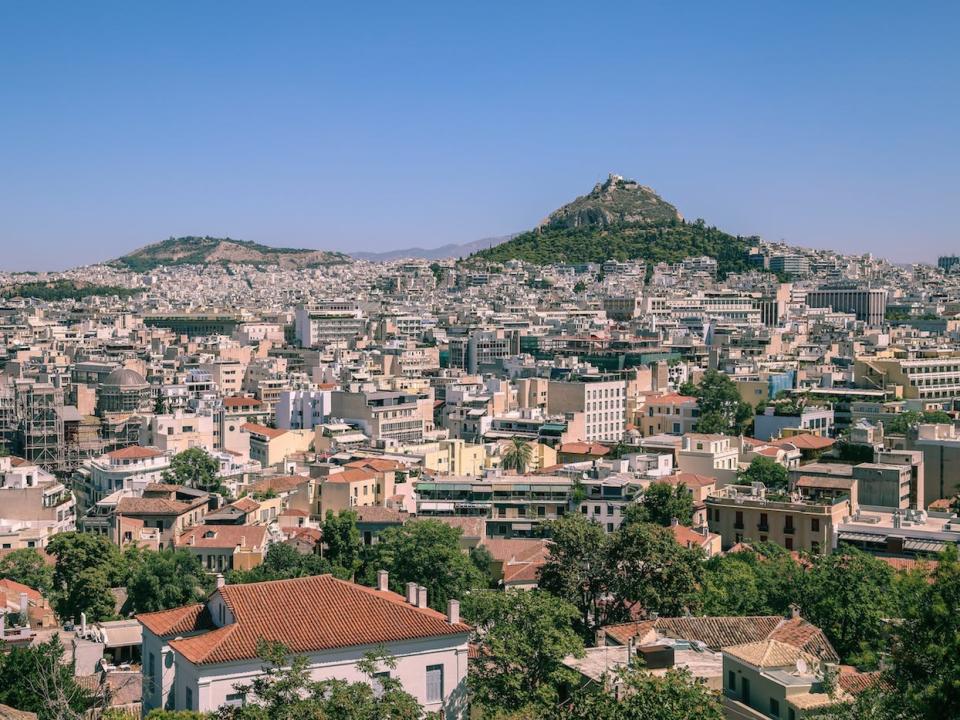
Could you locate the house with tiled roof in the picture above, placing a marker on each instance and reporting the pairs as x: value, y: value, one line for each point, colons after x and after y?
x: 270, y: 446
x: 226, y: 547
x: 195, y: 656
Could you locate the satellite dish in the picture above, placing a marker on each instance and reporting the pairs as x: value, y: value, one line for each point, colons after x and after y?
x: 801, y: 666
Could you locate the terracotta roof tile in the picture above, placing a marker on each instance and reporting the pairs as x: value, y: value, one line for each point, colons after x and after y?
x: 178, y: 621
x: 134, y: 452
x: 341, y: 614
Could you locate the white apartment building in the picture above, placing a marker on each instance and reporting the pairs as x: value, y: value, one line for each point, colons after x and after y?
x: 34, y: 505
x: 302, y: 409
x: 711, y: 455
x: 603, y: 402
x: 328, y: 321
x: 131, y: 468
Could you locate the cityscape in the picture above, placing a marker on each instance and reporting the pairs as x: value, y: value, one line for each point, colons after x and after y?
x: 618, y: 463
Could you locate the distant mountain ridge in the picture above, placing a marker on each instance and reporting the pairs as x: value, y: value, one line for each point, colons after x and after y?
x: 622, y: 220
x: 193, y: 250
x: 443, y: 252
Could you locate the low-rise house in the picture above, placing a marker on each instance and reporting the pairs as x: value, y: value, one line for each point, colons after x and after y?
x: 270, y: 446
x: 170, y: 509
x: 221, y: 548
x: 196, y: 656
x: 713, y: 455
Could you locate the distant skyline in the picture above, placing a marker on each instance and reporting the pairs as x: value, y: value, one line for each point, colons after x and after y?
x: 375, y: 126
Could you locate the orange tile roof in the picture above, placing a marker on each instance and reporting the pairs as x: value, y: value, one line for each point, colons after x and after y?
x: 351, y: 474
x: 178, y: 621
x: 236, y: 401
x: 376, y: 464
x: 584, y: 448
x: 13, y: 589
x: 151, y: 506
x: 223, y: 536
x: 691, y: 480
x: 280, y: 483
x: 806, y: 442
x: 341, y: 614
x: 671, y: 399
x: 267, y: 432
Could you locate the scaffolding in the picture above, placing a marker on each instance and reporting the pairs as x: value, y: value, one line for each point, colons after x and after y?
x: 40, y: 409
x: 9, y: 422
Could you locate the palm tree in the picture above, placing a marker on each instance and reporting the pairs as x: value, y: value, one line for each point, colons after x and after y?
x: 517, y: 455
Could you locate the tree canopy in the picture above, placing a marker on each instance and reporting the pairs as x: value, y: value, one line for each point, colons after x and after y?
x: 195, y: 468
x: 767, y: 471
x: 722, y: 410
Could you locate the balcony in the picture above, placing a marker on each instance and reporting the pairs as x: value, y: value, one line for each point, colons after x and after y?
x: 763, y: 527
x: 789, y: 529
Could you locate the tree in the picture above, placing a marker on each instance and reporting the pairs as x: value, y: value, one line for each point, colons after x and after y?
x: 849, y: 595
x: 282, y: 562
x: 661, y: 503
x: 901, y: 422
x: 522, y: 637
x: 651, y: 569
x: 39, y: 679
x: 87, y: 566
x: 926, y: 647
x: 343, y: 545
x: 428, y: 553
x: 194, y: 468
x: 577, y: 568
x: 517, y: 455
x: 722, y: 410
x: 28, y: 567
x: 284, y: 691
x: 579, y: 287
x: 767, y: 471
x: 166, y: 579
x: 641, y: 695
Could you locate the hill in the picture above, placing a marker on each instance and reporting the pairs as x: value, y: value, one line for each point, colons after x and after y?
x: 63, y: 290
x: 208, y: 250
x: 438, y: 253
x: 621, y: 220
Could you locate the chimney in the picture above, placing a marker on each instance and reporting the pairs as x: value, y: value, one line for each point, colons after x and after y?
x: 453, y: 612
x: 674, y: 522
x: 794, y: 611
x: 600, y: 637
x: 220, y: 581
x: 383, y: 580
x: 421, y: 596
x: 412, y: 593
x: 24, y: 605
x: 83, y: 624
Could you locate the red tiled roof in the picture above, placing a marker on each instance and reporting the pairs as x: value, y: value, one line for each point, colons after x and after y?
x: 223, y: 536
x: 351, y: 474
x: 280, y: 483
x: 178, y: 621
x: 670, y: 399
x: 806, y: 442
x: 134, y: 452
x: 13, y: 589
x: 151, y: 506
x: 235, y: 402
x: 267, y: 432
x: 691, y: 480
x: 341, y: 614
x: 375, y: 464
x: 584, y: 448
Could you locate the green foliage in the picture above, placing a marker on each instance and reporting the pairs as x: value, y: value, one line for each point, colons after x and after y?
x: 87, y: 566
x: 517, y: 455
x: 160, y: 714
x: 193, y: 250
x: 343, y: 546
x: 64, y: 290
x: 722, y: 411
x: 426, y: 552
x: 28, y: 567
x: 901, y: 422
x: 926, y: 649
x: 606, y: 575
x: 854, y: 452
x: 664, y: 240
x: 483, y: 561
x: 195, y: 468
x: 660, y: 504
x: 763, y: 581
x: 284, y: 691
x: 767, y: 471
x: 165, y: 579
x: 39, y: 679
x: 283, y: 562
x: 522, y: 637
x: 675, y: 695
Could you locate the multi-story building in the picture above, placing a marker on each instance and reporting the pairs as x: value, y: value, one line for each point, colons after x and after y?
x: 399, y: 417
x: 302, y: 409
x: 740, y: 513
x: 770, y: 425
x: 669, y: 414
x: 482, y: 348
x: 711, y: 455
x: 868, y: 304
x: 329, y: 321
x: 130, y: 469
x: 602, y: 400
x: 178, y: 431
x: 924, y: 375
x: 34, y: 505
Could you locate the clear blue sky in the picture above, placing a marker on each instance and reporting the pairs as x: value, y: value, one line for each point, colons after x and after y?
x: 358, y: 125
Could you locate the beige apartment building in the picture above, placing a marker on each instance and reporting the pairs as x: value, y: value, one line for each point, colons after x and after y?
x: 740, y: 513
x: 923, y: 375
x: 668, y: 413
x: 399, y: 417
x: 179, y: 431
x: 270, y: 446
x: 711, y: 455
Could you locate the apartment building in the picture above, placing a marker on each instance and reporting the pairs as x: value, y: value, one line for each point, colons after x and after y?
x: 178, y: 431
x: 602, y: 400
x: 770, y: 425
x: 221, y: 548
x: 129, y: 469
x: 271, y: 446
x: 213, y: 646
x: 868, y: 304
x: 329, y: 322
x: 929, y: 375
x: 302, y: 409
x: 740, y: 513
x: 398, y: 417
x: 940, y: 445
x: 711, y: 455
x: 34, y: 505
x: 482, y: 348
x: 668, y: 413
x: 233, y: 413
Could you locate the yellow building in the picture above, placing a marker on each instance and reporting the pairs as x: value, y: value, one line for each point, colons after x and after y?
x: 270, y: 446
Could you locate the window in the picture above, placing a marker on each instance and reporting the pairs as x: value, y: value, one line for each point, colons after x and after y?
x: 377, y: 682
x: 731, y: 680
x: 188, y: 698
x: 235, y: 699
x: 152, y: 670
x: 774, y: 707
x: 815, y: 524
x: 738, y: 520
x: 788, y: 543
x: 434, y: 683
